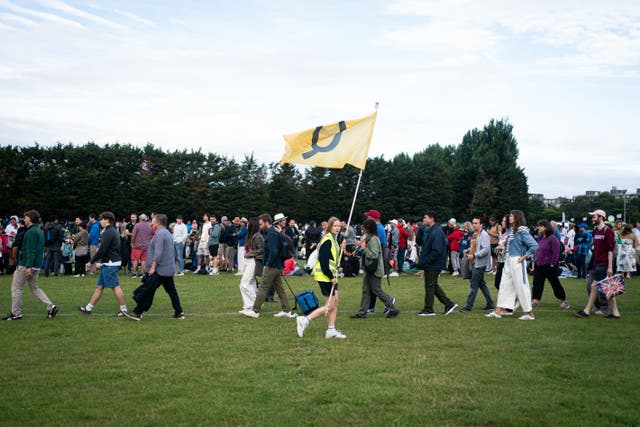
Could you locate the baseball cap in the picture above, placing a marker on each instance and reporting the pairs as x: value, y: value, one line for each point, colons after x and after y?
x: 599, y: 212
x: 373, y: 214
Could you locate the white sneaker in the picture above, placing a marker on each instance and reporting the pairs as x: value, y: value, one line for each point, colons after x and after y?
x: 250, y: 313
x: 394, y: 274
x: 493, y: 315
x: 526, y: 317
x: 334, y: 333
x: 302, y: 322
x: 179, y: 274
x: 455, y: 273
x: 197, y: 270
x: 285, y: 314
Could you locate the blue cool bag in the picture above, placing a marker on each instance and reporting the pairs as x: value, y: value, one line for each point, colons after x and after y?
x: 306, y: 300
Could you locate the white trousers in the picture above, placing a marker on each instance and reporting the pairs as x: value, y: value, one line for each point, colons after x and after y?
x: 514, y: 284
x: 248, y: 285
x: 241, y: 260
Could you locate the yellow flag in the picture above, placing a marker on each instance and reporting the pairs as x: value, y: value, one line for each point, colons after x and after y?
x: 332, y: 146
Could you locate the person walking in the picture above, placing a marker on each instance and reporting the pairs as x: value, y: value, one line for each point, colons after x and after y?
x: 273, y: 265
x: 161, y: 264
x: 108, y: 260
x: 325, y: 272
x: 519, y: 247
x: 480, y: 259
x: 253, y: 251
x: 433, y: 260
x: 28, y: 269
x: 371, y: 252
x: 546, y: 265
x: 604, y: 243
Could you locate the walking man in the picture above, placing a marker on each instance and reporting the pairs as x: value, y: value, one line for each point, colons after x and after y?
x: 604, y: 243
x: 162, y: 267
x: 433, y: 260
x: 481, y: 260
x: 273, y: 265
x: 108, y: 259
x: 29, y: 262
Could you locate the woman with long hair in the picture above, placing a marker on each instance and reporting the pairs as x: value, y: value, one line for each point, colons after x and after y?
x: 546, y: 265
x: 520, y: 247
x: 627, y: 249
x: 372, y: 279
x: 253, y: 248
x: 325, y: 271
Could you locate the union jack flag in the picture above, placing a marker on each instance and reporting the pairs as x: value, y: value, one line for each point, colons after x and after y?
x: 611, y: 286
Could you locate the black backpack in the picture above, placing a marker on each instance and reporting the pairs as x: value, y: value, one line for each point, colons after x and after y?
x: 286, y: 246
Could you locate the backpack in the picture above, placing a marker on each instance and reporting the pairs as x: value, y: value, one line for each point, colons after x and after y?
x: 286, y: 246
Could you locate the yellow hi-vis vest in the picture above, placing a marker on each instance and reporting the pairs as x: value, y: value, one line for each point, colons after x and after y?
x: 333, y: 265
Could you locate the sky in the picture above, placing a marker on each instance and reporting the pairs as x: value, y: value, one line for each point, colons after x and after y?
x: 233, y: 77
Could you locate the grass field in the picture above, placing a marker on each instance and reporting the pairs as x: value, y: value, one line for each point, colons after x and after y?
x: 218, y: 368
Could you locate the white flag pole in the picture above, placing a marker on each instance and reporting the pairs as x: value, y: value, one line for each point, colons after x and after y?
x: 353, y: 205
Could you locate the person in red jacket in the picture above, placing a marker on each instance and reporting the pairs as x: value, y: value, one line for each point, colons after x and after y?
x: 454, y: 247
x: 402, y: 244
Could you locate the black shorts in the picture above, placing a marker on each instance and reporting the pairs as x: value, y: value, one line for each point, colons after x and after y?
x: 213, y: 250
x: 325, y: 288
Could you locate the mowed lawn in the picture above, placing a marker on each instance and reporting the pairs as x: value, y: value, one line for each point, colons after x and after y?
x: 219, y: 368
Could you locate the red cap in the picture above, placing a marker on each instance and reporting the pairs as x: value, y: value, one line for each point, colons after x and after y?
x: 373, y: 214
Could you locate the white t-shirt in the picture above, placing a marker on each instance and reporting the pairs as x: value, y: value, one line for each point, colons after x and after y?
x: 204, y: 237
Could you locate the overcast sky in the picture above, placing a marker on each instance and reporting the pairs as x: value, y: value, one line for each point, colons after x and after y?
x: 233, y: 77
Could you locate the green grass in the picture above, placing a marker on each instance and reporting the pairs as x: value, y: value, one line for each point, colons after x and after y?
x: 218, y: 368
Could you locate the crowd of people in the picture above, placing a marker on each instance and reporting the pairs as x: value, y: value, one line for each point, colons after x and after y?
x: 264, y: 249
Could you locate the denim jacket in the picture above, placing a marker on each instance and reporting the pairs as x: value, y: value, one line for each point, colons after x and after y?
x: 522, y: 243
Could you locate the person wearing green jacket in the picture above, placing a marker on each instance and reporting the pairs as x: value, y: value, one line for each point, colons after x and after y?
x: 28, y: 270
x: 372, y: 280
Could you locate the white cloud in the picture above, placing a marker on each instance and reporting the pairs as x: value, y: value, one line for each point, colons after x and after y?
x: 70, y: 10
x: 23, y: 22
x: 42, y: 15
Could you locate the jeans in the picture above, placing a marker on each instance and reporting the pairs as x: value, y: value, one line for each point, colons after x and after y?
x: 432, y: 289
x: 477, y: 281
x: 401, y: 254
x: 581, y: 265
x: 52, y: 261
x: 179, y: 250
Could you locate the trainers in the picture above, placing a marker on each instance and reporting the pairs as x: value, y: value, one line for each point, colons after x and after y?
x: 465, y: 310
x: 179, y: 316
x: 526, y: 317
x: 301, y: 323
x: 455, y: 273
x: 251, y: 313
x: 449, y: 309
x: 358, y: 316
x: 565, y: 305
x: 83, y: 309
x: 507, y: 312
x: 285, y: 314
x: 580, y: 313
x: 52, y: 313
x: 394, y: 274
x: 371, y: 310
x: 76, y: 275
x: 179, y: 274
x: 494, y: 315
x: 391, y: 313
x: 334, y: 333
x: 535, y: 303
x: 612, y: 316
x: 134, y: 275
x: 425, y: 313
x: 12, y: 317
x: 119, y: 314
x: 393, y: 302
x: 133, y: 316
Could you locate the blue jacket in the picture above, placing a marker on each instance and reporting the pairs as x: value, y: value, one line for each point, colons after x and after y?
x: 584, y: 242
x: 522, y: 243
x: 94, y: 234
x: 434, y: 249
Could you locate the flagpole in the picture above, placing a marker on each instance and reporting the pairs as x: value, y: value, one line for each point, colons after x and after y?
x: 353, y: 205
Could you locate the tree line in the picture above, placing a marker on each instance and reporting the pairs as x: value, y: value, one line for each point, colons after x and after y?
x: 479, y: 176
